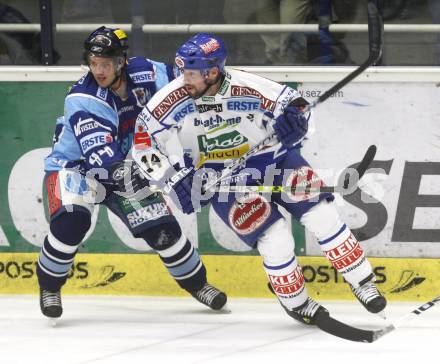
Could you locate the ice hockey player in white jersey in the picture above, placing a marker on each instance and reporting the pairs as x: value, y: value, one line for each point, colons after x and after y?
x: 217, y: 115
x: 89, y: 164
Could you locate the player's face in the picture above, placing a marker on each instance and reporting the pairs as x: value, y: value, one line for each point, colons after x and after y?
x: 199, y: 83
x: 194, y: 82
x: 103, y: 70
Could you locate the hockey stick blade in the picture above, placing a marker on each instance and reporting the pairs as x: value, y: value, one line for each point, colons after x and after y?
x: 337, y: 328
x: 350, y: 179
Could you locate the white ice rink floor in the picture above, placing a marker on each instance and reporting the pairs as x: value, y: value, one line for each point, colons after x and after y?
x: 129, y: 330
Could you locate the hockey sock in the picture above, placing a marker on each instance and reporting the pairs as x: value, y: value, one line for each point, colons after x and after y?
x: 276, y: 246
x: 338, y: 243
x: 178, y: 254
x: 59, y: 248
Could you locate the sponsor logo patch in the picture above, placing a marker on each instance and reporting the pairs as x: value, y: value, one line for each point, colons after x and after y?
x: 95, y: 139
x: 290, y: 284
x: 85, y: 125
x: 102, y: 93
x: 206, y: 107
x: 142, y: 139
x: 167, y: 103
x: 147, y: 213
x: 345, y: 254
x: 249, y: 213
x: 142, y: 95
x: 146, y: 76
x: 210, y: 46
x: 186, y: 109
x: 53, y: 193
x: 266, y: 103
x: 216, y: 122
x: 243, y: 105
x: 228, y: 146
x: 306, y: 182
x: 75, y: 183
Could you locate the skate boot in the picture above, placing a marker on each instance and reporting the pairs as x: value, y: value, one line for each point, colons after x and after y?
x: 370, y: 297
x: 50, y: 303
x: 308, y: 312
x: 210, y: 296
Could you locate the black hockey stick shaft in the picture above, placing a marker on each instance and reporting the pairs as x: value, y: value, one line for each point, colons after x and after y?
x: 351, y: 178
x: 375, y: 31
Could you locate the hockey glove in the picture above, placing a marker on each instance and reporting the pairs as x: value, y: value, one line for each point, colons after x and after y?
x: 187, y: 187
x: 130, y: 182
x: 291, y: 126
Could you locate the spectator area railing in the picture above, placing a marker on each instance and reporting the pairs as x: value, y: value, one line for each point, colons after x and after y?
x: 227, y: 28
x: 280, y: 74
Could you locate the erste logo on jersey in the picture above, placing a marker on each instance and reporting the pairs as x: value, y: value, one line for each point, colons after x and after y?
x: 94, y: 140
x: 167, y: 103
x: 266, y: 103
x: 140, y: 77
x: 249, y: 213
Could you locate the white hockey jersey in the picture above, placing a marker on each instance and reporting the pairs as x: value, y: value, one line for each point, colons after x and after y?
x: 213, y: 130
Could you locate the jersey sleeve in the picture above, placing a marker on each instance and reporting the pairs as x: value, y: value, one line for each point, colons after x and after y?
x: 95, y: 127
x: 164, y: 73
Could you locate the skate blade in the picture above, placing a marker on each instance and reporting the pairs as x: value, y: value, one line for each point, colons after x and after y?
x: 225, y: 309
x: 382, y: 315
x: 53, y: 322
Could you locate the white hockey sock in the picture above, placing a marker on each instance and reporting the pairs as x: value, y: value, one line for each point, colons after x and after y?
x: 276, y: 246
x: 337, y: 242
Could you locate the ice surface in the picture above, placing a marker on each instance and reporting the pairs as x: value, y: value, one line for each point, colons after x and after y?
x: 128, y: 330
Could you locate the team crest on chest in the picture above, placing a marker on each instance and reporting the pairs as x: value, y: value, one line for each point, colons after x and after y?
x: 142, y: 96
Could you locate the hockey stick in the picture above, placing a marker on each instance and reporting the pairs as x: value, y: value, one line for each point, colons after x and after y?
x: 337, y: 328
x: 375, y: 32
x: 351, y: 178
x: 377, y: 334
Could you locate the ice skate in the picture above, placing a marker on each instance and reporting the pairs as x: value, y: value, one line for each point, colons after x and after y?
x: 308, y: 312
x: 50, y: 304
x: 370, y: 297
x: 210, y: 296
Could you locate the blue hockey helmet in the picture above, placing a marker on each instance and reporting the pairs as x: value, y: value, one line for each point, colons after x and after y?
x: 106, y: 42
x: 202, y: 52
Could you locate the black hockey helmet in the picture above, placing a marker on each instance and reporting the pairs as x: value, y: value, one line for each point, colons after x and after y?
x: 106, y: 42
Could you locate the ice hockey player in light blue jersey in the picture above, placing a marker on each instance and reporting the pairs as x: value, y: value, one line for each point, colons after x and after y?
x: 218, y: 114
x: 90, y: 164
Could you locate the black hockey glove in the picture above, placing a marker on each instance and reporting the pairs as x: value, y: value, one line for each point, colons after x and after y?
x: 129, y: 180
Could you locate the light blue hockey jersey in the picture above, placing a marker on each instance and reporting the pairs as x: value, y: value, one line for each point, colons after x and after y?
x: 97, y: 127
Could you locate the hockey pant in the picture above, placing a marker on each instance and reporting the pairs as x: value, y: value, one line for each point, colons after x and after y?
x: 70, y: 202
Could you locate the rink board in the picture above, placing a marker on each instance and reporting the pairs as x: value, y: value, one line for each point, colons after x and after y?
x: 395, y: 212
x: 401, y: 279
